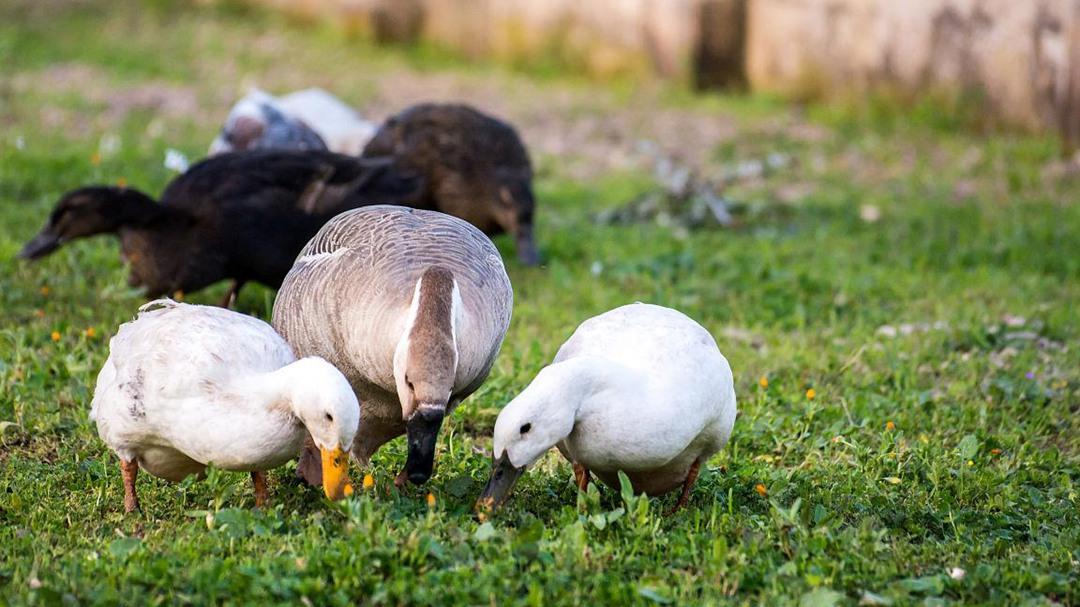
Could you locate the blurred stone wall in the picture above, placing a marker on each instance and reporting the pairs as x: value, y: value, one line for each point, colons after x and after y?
x: 1022, y: 57
x: 602, y: 37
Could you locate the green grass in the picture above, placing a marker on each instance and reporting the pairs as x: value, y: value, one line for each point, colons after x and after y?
x: 951, y: 445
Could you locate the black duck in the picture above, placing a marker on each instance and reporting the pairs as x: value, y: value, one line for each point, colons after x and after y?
x: 242, y: 216
x: 474, y: 167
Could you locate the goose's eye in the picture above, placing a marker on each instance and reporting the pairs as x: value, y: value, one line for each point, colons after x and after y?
x: 329, y: 417
x: 526, y: 428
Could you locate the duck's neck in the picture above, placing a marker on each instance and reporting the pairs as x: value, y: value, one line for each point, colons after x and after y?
x: 560, y: 397
x: 580, y: 384
x: 133, y: 209
x: 271, y: 391
x: 427, y: 351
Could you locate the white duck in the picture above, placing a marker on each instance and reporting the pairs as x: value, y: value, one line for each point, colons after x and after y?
x: 412, y: 306
x: 641, y: 388
x: 186, y: 386
x: 303, y: 120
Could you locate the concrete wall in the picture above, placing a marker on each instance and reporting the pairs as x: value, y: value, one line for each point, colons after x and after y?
x: 1020, y: 54
x: 606, y: 37
x: 1023, y: 56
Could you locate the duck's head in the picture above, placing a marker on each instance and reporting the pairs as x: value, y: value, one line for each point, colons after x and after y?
x: 515, y: 206
x: 86, y: 212
x: 527, y: 427
x: 425, y: 367
x: 259, y: 122
x: 324, y: 402
x: 245, y: 124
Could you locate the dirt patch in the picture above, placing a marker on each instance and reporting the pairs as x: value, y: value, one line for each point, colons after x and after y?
x: 580, y: 131
x: 589, y: 129
x: 94, y: 86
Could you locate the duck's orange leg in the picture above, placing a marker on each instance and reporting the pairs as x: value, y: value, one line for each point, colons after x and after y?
x: 130, y: 470
x: 581, y: 476
x: 688, y: 484
x: 258, y: 478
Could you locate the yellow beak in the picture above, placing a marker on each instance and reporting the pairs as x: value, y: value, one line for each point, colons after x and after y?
x: 335, y: 473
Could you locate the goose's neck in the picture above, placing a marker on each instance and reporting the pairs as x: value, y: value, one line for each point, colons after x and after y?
x: 427, y: 351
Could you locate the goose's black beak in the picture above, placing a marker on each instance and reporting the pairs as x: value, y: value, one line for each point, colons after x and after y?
x: 503, y: 477
x: 40, y: 246
x: 422, y: 430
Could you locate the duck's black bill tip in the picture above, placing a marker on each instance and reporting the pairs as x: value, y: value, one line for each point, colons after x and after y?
x: 527, y: 253
x: 503, y: 477
x: 39, y: 246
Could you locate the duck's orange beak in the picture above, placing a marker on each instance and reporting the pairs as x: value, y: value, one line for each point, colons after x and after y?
x: 335, y: 473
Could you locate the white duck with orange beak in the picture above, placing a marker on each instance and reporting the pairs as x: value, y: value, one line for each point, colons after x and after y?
x: 188, y: 386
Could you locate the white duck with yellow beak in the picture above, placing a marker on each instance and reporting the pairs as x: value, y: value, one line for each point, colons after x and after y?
x: 641, y: 389
x: 187, y: 386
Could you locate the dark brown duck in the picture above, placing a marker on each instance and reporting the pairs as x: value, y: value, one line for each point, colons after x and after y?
x: 239, y: 216
x: 474, y: 167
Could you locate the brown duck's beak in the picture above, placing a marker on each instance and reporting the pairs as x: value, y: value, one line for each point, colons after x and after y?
x: 527, y: 253
x: 503, y: 477
x: 40, y: 246
x: 422, y: 432
x: 335, y: 473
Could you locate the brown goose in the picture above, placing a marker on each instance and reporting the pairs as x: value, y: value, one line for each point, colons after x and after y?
x: 474, y: 166
x: 412, y: 306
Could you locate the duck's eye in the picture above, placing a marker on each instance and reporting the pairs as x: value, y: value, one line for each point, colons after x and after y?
x: 408, y: 382
x: 526, y: 428
x: 329, y: 417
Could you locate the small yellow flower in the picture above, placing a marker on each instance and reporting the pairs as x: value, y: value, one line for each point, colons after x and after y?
x: 810, y: 394
x: 431, y: 500
x: 995, y: 451
x: 121, y: 183
x: 90, y: 332
x: 95, y: 158
x: 760, y: 489
x: 889, y: 425
x: 348, y: 490
x: 55, y: 336
x: 971, y: 463
x: 178, y: 296
x: 369, y: 482
x: 45, y: 291
x: 763, y: 382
